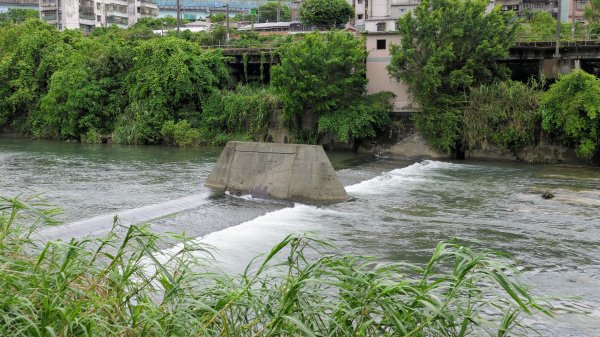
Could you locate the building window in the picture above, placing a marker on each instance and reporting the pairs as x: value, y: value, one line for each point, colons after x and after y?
x: 360, y: 2
x: 381, y: 44
x: 97, y: 5
x: 98, y: 18
x: 381, y: 27
x: 360, y: 16
x: 139, y: 11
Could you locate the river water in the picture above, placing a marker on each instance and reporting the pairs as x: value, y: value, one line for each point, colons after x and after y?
x: 399, y: 210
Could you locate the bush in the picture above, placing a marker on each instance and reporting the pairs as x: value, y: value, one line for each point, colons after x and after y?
x: 91, y: 137
x: 503, y: 114
x: 124, y: 285
x: 571, y: 112
x: 245, y: 111
x: 180, y: 133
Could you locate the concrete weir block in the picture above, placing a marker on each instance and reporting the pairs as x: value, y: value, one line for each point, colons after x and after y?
x: 280, y: 171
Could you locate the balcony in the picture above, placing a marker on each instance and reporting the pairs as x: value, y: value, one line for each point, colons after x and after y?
x: 117, y: 20
x: 49, y: 17
x: 89, y: 17
x: 148, y: 11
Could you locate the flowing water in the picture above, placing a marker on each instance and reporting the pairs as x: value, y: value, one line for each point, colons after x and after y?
x: 399, y: 210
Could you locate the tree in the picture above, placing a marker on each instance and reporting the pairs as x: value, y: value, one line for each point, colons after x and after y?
x: 169, y: 80
x: 217, y: 17
x: 321, y: 81
x: 268, y: 12
x: 504, y: 115
x: 325, y: 12
x: 591, y: 13
x: 29, y: 53
x: 447, y: 47
x: 539, y: 26
x: 86, y: 93
x: 18, y: 15
x: 571, y: 112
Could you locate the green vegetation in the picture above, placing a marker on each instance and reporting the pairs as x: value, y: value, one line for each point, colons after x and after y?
x: 503, y: 115
x: 571, y: 112
x: 17, y: 15
x: 115, y: 83
x: 591, y: 13
x: 242, y: 114
x: 170, y: 78
x: 541, y: 26
x: 268, y: 12
x: 123, y: 285
x: 159, y: 23
x: 449, y: 46
x: 326, y: 12
x: 133, y: 87
x: 321, y: 82
x: 217, y: 17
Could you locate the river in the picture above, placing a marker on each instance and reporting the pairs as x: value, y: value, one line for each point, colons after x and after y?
x: 399, y: 210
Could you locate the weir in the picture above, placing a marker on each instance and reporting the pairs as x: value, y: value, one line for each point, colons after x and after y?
x: 277, y: 171
x: 100, y: 225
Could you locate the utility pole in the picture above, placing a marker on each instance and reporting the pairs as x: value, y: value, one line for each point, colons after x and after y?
x: 227, y: 25
x: 573, y: 10
x: 557, y: 50
x: 178, y: 16
x: 278, y: 10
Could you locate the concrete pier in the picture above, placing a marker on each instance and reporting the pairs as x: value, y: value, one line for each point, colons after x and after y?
x: 278, y: 171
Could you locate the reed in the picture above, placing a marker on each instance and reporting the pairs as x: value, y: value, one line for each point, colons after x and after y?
x: 124, y: 285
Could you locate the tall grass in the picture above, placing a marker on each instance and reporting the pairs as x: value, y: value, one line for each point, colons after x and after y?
x: 122, y: 285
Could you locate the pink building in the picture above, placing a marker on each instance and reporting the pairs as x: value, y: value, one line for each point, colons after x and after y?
x: 378, y: 46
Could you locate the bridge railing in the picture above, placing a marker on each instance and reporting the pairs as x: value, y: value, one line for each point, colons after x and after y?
x: 566, y: 40
x: 237, y: 49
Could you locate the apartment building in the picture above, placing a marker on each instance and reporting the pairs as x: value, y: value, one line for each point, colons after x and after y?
x: 87, y: 14
x: 380, y: 15
x: 570, y: 10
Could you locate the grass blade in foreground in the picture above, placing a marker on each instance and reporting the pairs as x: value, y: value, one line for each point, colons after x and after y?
x: 121, y: 286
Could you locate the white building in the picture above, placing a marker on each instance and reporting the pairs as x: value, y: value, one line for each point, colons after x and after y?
x: 87, y: 14
x: 380, y: 15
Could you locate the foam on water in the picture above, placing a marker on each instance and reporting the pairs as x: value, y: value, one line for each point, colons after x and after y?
x: 415, y: 173
x: 236, y: 246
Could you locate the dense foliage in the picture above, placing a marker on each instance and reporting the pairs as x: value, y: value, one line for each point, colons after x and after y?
x: 123, y: 285
x: 541, y: 26
x: 504, y: 115
x: 321, y: 81
x: 133, y: 87
x: 169, y: 79
x: 571, y: 112
x: 159, y: 23
x: 240, y: 114
x: 268, y: 12
x: 17, y: 15
x: 447, y: 47
x: 117, y: 83
x: 325, y: 12
x: 29, y: 54
x: 591, y: 12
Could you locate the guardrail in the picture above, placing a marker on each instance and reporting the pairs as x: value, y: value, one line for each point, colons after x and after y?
x: 577, y: 40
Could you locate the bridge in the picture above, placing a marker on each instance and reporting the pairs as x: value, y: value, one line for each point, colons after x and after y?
x: 576, y: 53
x: 526, y: 58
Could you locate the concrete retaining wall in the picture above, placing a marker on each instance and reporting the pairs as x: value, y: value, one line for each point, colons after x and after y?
x: 280, y: 171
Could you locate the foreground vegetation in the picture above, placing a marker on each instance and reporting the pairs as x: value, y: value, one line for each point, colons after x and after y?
x: 122, y: 285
